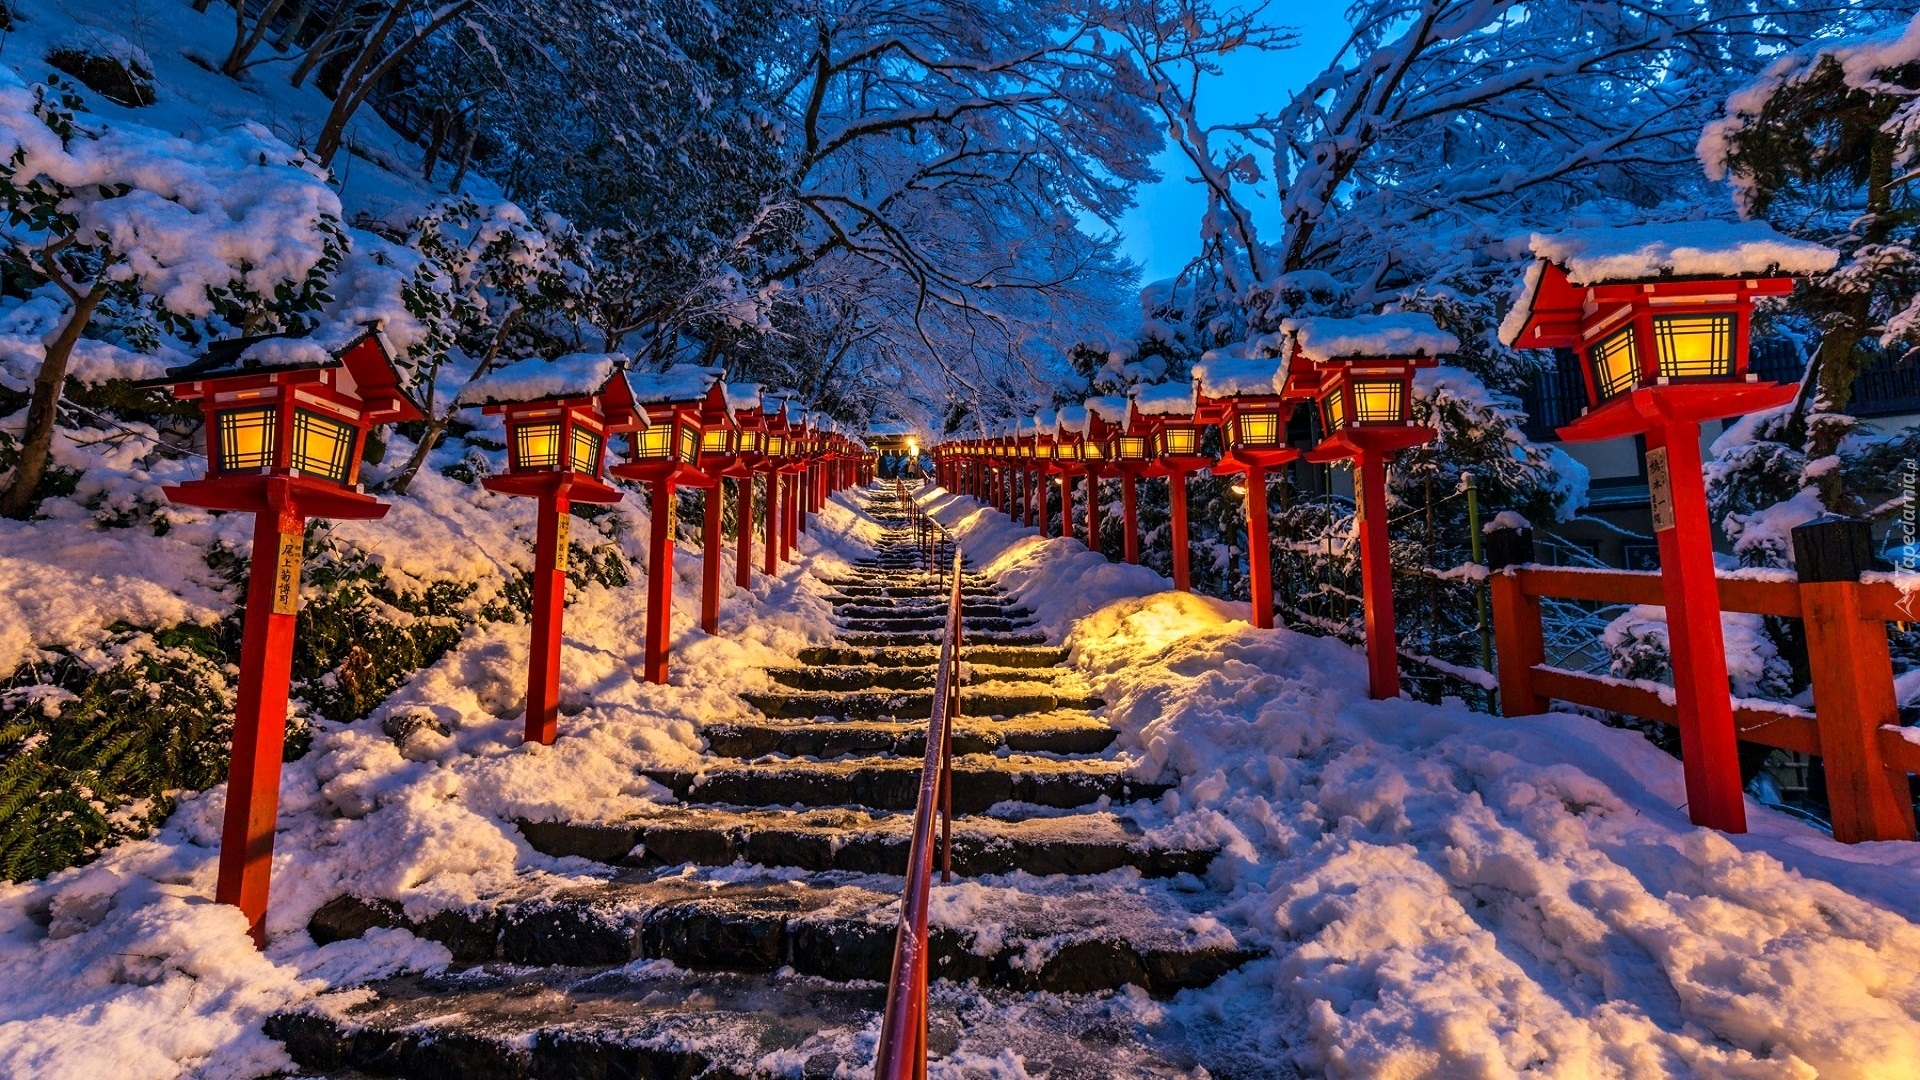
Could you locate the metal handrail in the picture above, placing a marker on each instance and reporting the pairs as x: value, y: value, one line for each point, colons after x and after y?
x: 903, y: 1033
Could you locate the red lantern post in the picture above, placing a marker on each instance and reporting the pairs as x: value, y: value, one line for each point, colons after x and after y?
x: 774, y: 409
x: 1106, y: 420
x: 1365, y: 368
x: 663, y: 456
x: 558, y: 416
x: 718, y: 461
x: 750, y: 423
x: 1245, y: 398
x: 1175, y: 444
x: 1660, y: 316
x: 286, y: 419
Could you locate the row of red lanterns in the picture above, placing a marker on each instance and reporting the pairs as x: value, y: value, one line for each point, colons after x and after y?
x: 287, y: 421
x: 1662, y: 352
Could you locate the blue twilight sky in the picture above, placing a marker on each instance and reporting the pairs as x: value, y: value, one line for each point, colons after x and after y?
x: 1163, y: 231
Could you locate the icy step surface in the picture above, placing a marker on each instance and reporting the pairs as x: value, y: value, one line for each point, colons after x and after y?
x: 868, y: 842
x: 1072, y: 938
x: 892, y: 641
x: 866, y: 676
x: 986, y: 699
x: 652, y: 1020
x: 979, y: 782
x: 928, y: 656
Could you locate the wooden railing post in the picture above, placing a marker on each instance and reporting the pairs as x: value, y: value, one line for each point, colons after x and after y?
x: 1519, y: 638
x: 1852, y: 671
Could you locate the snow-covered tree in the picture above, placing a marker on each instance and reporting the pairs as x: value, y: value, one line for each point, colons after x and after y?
x: 234, y: 232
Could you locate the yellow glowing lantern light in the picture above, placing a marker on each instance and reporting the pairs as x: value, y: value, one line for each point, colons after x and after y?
x: 1177, y: 440
x: 587, y: 445
x: 689, y: 442
x: 1694, y: 346
x: 1616, y: 363
x: 248, y: 438
x: 653, y: 443
x: 776, y: 444
x: 1092, y: 451
x: 322, y: 446
x: 716, y: 441
x: 1378, y: 401
x: 749, y: 442
x: 1258, y: 429
x: 1130, y: 448
x: 536, y: 446
x: 1336, y: 410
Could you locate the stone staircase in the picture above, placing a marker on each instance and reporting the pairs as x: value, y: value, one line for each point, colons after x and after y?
x: 749, y: 931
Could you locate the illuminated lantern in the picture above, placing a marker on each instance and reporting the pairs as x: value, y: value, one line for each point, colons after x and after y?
x: 287, y: 419
x: 1174, y: 442
x: 559, y: 415
x: 719, y: 462
x: 1365, y: 368
x: 1107, y: 446
x: 773, y: 409
x: 1660, y: 316
x: 749, y: 425
x: 1069, y: 464
x: 664, y: 455
x: 1245, y: 397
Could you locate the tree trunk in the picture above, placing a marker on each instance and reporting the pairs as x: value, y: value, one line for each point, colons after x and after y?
x: 338, y: 20
x: 364, y: 76
x: 37, y: 441
x: 290, y: 37
x: 466, y: 154
x: 437, y: 129
x: 247, y: 38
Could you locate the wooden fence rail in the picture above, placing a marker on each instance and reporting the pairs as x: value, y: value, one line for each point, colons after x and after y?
x: 1855, y: 722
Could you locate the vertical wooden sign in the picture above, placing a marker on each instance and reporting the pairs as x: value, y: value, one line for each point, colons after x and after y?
x: 286, y: 573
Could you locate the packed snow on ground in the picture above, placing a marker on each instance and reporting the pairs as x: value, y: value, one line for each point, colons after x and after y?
x: 126, y: 968
x: 1450, y: 894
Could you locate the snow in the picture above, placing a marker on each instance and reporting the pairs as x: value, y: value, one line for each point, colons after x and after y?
x: 286, y: 352
x: 682, y: 383
x: 1227, y: 376
x: 1165, y: 399
x: 1074, y: 419
x: 1111, y: 408
x: 1507, y: 519
x: 1394, y: 335
x: 1728, y: 249
x: 536, y: 379
x: 742, y: 395
x: 1450, y: 894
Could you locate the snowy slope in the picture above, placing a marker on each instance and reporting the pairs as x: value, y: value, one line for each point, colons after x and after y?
x: 1449, y: 894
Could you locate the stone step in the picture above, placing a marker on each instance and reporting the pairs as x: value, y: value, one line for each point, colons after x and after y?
x: 500, y: 1022
x: 868, y: 677
x: 972, y: 624
x: 1020, y: 656
x: 932, y: 607
x: 1065, y: 940
x: 992, y: 699
x: 979, y: 783
x: 1063, y: 732
x: 897, y: 641
x: 852, y: 592
x: 862, y: 842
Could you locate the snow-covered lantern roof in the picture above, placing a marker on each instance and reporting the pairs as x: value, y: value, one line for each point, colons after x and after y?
x: 1365, y: 365
x: 1071, y: 424
x: 1110, y: 422
x: 749, y: 423
x: 1251, y: 398
x: 776, y: 423
x: 677, y: 403
x: 1666, y: 305
x: 296, y: 406
x: 1168, y: 411
x: 559, y: 415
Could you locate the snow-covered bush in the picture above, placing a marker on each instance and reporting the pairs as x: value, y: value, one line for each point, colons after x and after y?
x: 108, y: 65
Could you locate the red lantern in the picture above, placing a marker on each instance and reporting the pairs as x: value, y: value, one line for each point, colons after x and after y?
x: 749, y: 452
x: 559, y: 416
x: 286, y: 417
x: 1121, y: 454
x: 1661, y: 316
x: 1244, y: 397
x: 1174, y: 442
x: 664, y: 454
x: 1364, y: 367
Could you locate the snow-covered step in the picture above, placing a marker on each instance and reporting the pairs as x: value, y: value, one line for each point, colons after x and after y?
x: 868, y: 842
x: 651, y: 1020
x: 971, y: 624
x: 979, y: 782
x: 1076, y: 937
x: 895, y: 590
x: 928, y: 656
x: 989, y: 699
x: 868, y: 608
x: 869, y: 677
x: 986, y: 637
x: 1055, y: 732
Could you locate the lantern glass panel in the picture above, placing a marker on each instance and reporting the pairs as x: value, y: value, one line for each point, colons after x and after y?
x: 1337, y: 409
x: 536, y: 446
x: 749, y: 442
x: 1131, y: 448
x: 776, y: 445
x: 1179, y: 441
x: 586, y: 451
x: 653, y: 443
x: 1257, y: 429
x: 248, y: 438
x: 1616, y: 364
x: 715, y: 441
x: 1067, y: 451
x: 689, y: 443
x: 1377, y: 401
x: 1092, y: 451
x: 1694, y: 346
x: 322, y: 446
